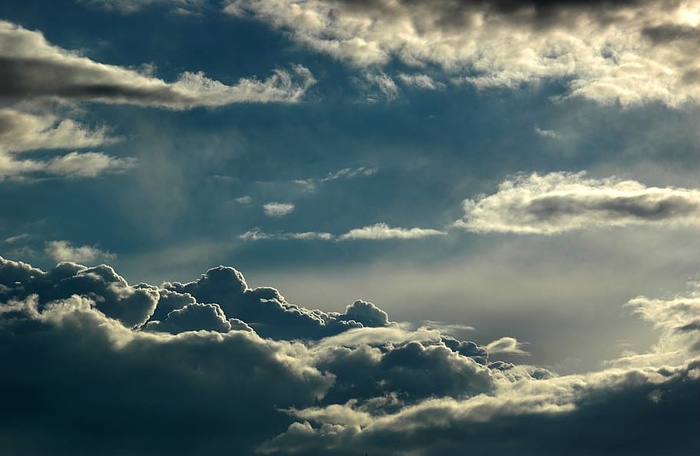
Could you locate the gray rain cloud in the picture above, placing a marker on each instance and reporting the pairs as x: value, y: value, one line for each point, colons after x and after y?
x: 103, y: 367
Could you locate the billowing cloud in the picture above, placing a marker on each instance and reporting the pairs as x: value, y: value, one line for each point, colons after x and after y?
x: 84, y: 358
x: 627, y: 52
x: 32, y: 68
x: 65, y: 251
x: 558, y: 202
x: 276, y: 209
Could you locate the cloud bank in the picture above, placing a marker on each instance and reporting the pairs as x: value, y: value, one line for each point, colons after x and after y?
x: 628, y: 52
x: 101, y: 366
x: 559, y: 202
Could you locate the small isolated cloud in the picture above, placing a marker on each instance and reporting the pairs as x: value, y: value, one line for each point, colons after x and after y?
x: 381, y: 231
x: 420, y: 81
x: 559, y: 202
x: 244, y: 200
x: 17, y: 239
x: 54, y: 73
x: 64, y: 251
x: 551, y: 134
x: 345, y: 173
x: 506, y: 346
x: 278, y: 209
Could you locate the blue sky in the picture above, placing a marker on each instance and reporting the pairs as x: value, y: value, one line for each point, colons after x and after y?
x: 521, y: 176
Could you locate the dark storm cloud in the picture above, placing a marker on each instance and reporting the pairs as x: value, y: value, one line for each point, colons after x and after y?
x: 266, y: 310
x: 198, y: 379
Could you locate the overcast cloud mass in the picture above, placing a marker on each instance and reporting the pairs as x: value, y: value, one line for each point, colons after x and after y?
x: 347, y: 228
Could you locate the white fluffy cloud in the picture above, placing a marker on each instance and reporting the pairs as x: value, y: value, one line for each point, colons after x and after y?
x: 558, y: 202
x: 626, y: 52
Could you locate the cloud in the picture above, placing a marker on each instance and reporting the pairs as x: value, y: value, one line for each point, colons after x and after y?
x: 20, y: 131
x: 378, y: 231
x: 559, y: 202
x: 344, y: 173
x: 382, y: 231
x: 31, y: 68
x: 627, y: 52
x: 506, y: 346
x: 133, y: 6
x: 278, y: 209
x: 84, y: 358
x: 64, y: 251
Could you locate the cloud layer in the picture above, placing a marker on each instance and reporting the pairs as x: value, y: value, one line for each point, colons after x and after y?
x: 628, y: 52
x: 558, y: 202
x: 98, y: 363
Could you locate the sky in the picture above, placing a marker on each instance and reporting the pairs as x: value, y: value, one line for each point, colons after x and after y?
x: 304, y: 227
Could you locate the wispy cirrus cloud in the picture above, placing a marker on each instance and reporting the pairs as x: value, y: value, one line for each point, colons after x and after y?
x: 559, y: 202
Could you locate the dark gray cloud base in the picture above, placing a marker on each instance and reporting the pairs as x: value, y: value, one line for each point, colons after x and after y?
x: 98, y: 366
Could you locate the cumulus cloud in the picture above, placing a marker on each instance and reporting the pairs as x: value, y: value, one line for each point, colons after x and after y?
x: 65, y: 251
x: 559, y: 202
x: 628, y: 52
x: 276, y: 209
x: 87, y: 349
x: 506, y: 346
x: 32, y: 68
